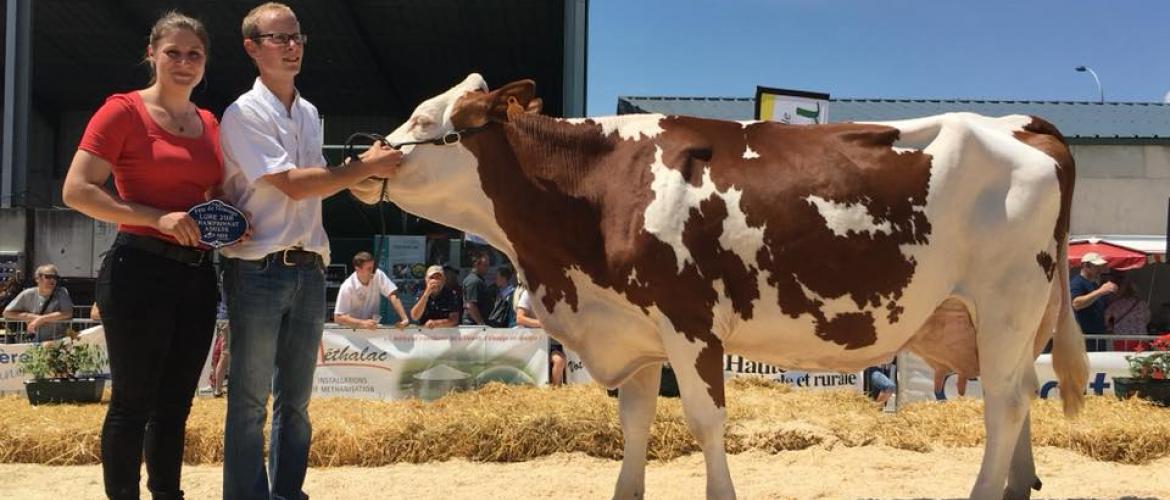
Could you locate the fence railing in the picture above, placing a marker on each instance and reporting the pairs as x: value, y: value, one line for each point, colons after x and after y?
x: 15, y: 331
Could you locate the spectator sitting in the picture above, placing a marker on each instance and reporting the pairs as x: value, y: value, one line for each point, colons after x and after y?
x: 11, y: 288
x: 525, y: 317
x: 503, y: 314
x: 438, y: 306
x: 358, y: 300
x: 477, y: 295
x: 46, y: 307
x: 880, y: 385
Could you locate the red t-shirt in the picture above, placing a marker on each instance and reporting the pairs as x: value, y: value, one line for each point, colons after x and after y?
x: 151, y: 166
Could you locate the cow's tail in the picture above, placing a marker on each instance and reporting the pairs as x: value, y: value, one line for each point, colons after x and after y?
x: 1069, y: 360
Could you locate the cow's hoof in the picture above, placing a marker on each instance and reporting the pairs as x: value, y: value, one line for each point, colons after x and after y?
x: 1038, y: 484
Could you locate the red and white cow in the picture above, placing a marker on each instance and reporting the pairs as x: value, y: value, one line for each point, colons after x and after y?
x: 651, y: 238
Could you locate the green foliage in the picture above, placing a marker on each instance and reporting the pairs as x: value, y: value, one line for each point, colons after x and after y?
x: 64, y: 359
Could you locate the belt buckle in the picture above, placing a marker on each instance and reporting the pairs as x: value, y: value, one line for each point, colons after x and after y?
x: 284, y: 258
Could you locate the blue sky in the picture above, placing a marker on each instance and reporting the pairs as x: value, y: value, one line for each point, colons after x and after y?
x: 987, y: 49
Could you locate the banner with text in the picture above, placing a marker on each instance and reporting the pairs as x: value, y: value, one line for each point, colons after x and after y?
x: 739, y: 366
x: 427, y: 363
x: 916, y: 378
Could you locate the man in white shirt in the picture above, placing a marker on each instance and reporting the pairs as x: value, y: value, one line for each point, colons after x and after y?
x: 275, y: 282
x: 358, y: 303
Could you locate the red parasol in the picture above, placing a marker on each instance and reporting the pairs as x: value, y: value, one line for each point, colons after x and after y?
x: 1119, y: 258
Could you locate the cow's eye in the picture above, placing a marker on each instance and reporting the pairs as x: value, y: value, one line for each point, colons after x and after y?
x: 423, y: 122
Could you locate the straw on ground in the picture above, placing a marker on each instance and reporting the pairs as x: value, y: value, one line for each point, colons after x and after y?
x: 509, y: 423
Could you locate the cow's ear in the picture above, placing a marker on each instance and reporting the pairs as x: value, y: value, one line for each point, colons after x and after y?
x: 476, y: 109
x: 513, y: 99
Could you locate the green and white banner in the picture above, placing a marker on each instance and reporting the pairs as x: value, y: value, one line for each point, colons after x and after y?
x: 426, y: 364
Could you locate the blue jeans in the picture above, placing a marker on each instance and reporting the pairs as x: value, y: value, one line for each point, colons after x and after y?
x: 276, y: 315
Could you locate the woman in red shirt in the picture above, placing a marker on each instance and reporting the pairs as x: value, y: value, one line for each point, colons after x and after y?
x: 157, y: 286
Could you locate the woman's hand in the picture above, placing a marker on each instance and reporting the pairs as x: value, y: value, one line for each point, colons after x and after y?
x: 180, y: 226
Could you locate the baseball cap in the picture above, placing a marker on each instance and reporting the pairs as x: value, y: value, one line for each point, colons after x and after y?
x: 1093, y: 258
x: 434, y: 270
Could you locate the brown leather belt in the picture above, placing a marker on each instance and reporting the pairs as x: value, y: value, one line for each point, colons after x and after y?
x: 294, y: 257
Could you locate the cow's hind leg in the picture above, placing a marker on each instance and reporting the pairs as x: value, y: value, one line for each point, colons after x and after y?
x: 1022, y: 477
x: 1008, y: 379
x: 698, y: 366
x: 636, y: 400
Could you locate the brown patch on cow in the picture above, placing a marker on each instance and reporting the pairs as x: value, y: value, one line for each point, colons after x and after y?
x: 1045, y: 137
x: 853, y: 330
x: 895, y: 311
x: 709, y: 364
x: 1047, y: 263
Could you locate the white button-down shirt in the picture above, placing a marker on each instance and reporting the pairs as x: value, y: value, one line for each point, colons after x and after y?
x: 259, y: 137
x: 363, y: 301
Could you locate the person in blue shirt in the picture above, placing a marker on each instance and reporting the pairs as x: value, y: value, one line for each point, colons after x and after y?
x: 1089, y: 296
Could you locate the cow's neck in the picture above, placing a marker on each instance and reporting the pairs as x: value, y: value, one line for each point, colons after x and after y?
x: 552, y: 184
x: 553, y: 152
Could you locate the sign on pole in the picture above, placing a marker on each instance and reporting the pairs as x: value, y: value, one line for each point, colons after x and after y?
x: 796, y: 107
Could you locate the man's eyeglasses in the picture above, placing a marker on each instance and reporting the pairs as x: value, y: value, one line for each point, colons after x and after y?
x: 284, y: 38
x: 53, y: 277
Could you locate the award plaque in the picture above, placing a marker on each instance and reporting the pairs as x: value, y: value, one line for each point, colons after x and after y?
x: 220, y: 224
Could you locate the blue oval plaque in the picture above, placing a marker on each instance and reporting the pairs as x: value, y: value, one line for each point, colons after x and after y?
x: 220, y: 224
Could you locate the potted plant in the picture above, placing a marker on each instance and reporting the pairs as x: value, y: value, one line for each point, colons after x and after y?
x: 1149, y: 373
x: 65, y: 371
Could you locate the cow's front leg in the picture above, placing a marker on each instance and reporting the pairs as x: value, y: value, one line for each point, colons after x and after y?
x: 637, y: 398
x: 698, y: 366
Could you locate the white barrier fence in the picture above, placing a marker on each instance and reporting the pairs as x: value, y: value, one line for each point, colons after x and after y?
x: 397, y: 364
x: 916, y: 378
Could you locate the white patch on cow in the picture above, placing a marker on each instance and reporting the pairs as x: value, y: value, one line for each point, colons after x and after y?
x: 666, y: 216
x: 749, y: 154
x: 674, y: 197
x: 628, y: 127
x: 841, y: 218
x: 747, y: 123
x: 738, y: 236
x: 901, y: 150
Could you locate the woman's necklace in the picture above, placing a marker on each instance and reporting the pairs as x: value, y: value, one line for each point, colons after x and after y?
x: 180, y: 121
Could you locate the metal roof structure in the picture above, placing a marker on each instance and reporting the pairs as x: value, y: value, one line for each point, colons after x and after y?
x: 1080, y: 122
x: 367, y: 64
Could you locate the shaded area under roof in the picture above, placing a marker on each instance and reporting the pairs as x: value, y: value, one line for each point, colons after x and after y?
x: 364, y: 57
x: 1076, y: 120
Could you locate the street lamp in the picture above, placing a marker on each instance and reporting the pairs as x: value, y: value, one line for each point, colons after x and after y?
x: 1100, y: 92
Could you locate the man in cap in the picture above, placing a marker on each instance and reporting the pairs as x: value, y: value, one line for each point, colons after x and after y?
x: 439, y: 305
x: 1088, y: 296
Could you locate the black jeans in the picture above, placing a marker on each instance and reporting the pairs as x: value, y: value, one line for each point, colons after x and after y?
x: 159, y: 318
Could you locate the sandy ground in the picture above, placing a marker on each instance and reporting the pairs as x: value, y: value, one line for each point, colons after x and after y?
x: 866, y: 472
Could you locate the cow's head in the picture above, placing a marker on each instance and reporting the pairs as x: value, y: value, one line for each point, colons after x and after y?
x: 442, y: 182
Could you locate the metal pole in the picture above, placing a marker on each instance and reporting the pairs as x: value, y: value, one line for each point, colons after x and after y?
x: 576, y: 42
x: 1100, y: 91
x: 17, y: 99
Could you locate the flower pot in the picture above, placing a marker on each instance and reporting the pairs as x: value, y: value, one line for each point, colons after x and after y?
x: 44, y: 391
x: 1157, y: 391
